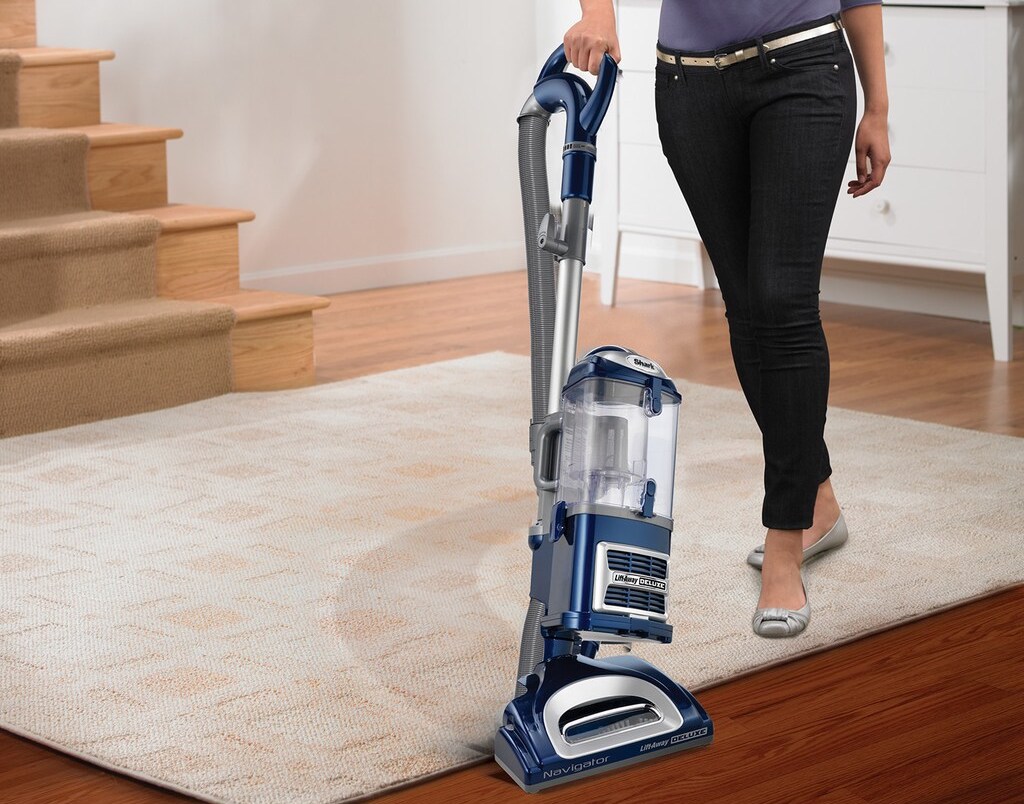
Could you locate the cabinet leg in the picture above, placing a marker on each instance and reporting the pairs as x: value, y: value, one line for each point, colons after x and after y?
x: 707, y: 270
x: 999, y: 290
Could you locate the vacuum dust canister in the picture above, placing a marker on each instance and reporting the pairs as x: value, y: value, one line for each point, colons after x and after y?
x: 620, y: 416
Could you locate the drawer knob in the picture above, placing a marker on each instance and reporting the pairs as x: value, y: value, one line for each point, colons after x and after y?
x: 882, y: 207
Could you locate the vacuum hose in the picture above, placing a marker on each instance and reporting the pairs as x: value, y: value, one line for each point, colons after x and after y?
x: 540, y: 280
x: 540, y: 264
x: 531, y: 647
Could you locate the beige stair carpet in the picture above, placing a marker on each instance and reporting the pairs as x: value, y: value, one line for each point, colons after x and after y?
x: 311, y: 595
x: 10, y: 65
x: 42, y: 172
x: 111, y: 360
x: 82, y: 336
x: 75, y: 260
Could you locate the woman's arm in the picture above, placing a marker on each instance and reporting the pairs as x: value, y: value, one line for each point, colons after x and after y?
x: 588, y: 40
x: 863, y: 25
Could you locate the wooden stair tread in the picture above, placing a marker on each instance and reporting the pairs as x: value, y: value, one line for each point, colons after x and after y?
x: 107, y: 134
x: 47, y: 56
x: 186, y: 217
x: 255, y: 305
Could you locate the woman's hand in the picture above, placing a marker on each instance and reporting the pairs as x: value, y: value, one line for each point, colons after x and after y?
x: 871, y: 148
x: 864, y: 28
x: 588, y: 40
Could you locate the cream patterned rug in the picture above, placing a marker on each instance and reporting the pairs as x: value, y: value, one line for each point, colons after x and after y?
x: 311, y: 595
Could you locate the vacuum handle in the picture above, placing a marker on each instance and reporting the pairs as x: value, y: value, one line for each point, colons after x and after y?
x: 597, y: 107
x: 592, y: 114
x: 545, y: 435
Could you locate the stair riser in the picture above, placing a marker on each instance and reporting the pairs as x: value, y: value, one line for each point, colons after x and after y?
x: 36, y: 397
x: 37, y: 286
x: 198, y: 264
x: 17, y: 23
x: 273, y: 354
x: 43, y: 178
x: 9, y: 70
x: 126, y: 177
x: 58, y: 95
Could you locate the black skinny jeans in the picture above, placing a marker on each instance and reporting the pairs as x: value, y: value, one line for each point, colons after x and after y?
x: 759, y: 150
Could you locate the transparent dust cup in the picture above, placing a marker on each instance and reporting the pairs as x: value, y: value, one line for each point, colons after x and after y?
x: 613, y: 444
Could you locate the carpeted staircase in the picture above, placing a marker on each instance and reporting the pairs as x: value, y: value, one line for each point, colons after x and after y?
x: 82, y: 334
x: 113, y: 301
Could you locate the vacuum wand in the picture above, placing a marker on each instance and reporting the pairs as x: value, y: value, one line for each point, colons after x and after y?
x: 576, y: 212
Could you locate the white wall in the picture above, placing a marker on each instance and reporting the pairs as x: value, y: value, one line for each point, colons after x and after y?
x: 376, y: 140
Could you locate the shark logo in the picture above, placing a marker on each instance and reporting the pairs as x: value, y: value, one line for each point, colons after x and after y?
x: 644, y: 364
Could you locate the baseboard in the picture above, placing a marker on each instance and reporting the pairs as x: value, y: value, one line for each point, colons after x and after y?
x: 889, y: 287
x: 343, y: 276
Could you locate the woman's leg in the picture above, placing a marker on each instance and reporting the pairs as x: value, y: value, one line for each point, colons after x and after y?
x: 801, y: 134
x: 799, y: 140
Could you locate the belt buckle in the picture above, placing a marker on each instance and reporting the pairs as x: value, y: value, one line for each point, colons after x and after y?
x: 718, y: 61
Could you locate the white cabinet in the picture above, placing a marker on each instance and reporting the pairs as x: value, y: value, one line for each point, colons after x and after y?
x: 952, y: 198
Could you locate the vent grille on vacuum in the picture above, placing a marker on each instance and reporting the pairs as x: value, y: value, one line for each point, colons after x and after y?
x: 635, y: 599
x: 638, y: 563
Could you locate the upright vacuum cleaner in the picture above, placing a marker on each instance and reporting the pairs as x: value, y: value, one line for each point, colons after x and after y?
x: 602, y: 440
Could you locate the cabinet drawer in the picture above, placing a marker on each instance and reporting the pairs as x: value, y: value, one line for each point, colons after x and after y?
x: 638, y: 33
x: 638, y: 122
x: 940, y: 213
x: 937, y: 128
x: 648, y: 193
x: 942, y: 48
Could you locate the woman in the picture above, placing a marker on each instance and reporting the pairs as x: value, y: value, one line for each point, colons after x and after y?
x: 756, y: 106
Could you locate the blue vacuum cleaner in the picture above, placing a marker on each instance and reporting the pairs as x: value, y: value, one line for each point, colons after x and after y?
x: 602, y: 441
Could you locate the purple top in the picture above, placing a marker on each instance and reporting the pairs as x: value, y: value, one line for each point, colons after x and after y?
x: 698, y: 25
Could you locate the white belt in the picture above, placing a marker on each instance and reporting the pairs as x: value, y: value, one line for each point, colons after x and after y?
x: 723, y: 60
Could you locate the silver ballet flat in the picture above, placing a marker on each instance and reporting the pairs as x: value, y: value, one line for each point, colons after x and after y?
x: 775, y: 623
x: 836, y: 537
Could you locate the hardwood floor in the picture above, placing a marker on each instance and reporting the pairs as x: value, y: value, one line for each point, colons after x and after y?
x: 900, y: 364
x: 927, y: 712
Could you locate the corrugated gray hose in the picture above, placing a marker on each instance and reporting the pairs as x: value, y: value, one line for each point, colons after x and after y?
x: 531, y: 648
x: 540, y: 279
x: 540, y: 265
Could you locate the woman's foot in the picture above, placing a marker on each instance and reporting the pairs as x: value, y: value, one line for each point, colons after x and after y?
x: 781, y: 586
x: 782, y: 609
x: 775, y: 623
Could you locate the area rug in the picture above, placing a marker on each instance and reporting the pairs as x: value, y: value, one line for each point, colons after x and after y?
x: 312, y: 595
